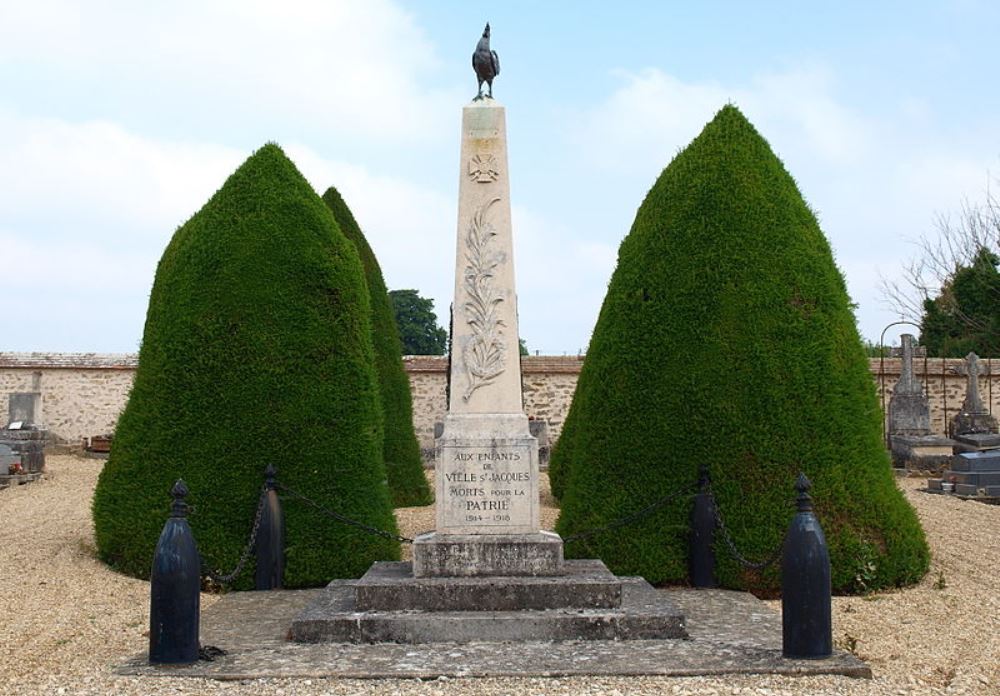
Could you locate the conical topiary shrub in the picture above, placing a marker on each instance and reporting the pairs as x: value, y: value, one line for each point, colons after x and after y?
x: 403, y: 464
x: 257, y: 349
x: 727, y: 339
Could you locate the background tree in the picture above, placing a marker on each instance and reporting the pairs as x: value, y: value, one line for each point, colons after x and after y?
x: 725, y: 255
x: 522, y: 347
x: 951, y: 286
x: 401, y: 451
x: 965, y: 316
x: 418, y: 328
x: 257, y: 350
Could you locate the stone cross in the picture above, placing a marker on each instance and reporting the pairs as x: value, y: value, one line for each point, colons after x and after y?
x: 972, y: 369
x: 907, y: 384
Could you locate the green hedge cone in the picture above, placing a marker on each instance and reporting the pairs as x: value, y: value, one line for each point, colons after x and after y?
x: 727, y: 338
x: 257, y: 349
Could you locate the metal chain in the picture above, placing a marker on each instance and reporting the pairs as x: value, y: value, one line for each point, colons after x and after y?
x: 227, y: 579
x: 734, y: 552
x: 346, y: 520
x: 628, y: 519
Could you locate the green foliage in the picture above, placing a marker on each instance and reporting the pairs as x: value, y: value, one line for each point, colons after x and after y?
x: 966, y: 315
x: 874, y: 350
x: 522, y: 347
x: 725, y: 255
x: 403, y: 464
x: 257, y: 349
x: 417, y: 323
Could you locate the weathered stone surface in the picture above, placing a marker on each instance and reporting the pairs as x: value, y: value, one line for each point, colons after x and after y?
x: 391, y: 586
x: 487, y: 480
x: 8, y: 458
x: 26, y: 408
x: 909, y: 409
x: 644, y: 614
x: 977, y: 461
x: 730, y: 633
x: 973, y: 417
x: 975, y: 442
x: 909, y: 414
x: 28, y: 446
x: 921, y: 452
x: 484, y: 555
x: 976, y: 478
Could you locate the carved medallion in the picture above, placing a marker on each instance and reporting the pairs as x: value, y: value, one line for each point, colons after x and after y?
x: 484, y: 168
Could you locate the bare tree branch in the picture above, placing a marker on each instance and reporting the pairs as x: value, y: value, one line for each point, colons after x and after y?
x: 955, y: 245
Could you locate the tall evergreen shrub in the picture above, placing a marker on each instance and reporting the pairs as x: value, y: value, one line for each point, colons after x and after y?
x: 401, y: 451
x: 727, y: 339
x: 257, y: 349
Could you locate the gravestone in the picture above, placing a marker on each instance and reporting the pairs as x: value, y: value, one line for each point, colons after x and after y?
x: 25, y: 408
x: 24, y: 434
x: 912, y: 444
x: 488, y: 572
x: 973, y: 428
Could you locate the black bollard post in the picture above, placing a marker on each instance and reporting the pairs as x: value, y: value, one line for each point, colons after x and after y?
x: 702, y: 561
x: 270, y: 537
x: 806, y: 622
x: 174, y: 584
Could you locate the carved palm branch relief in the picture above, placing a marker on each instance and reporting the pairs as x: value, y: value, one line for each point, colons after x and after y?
x: 484, y: 354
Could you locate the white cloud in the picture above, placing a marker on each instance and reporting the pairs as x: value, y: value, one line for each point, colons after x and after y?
x: 99, y: 180
x: 875, y: 181
x: 352, y: 65
x: 91, y: 206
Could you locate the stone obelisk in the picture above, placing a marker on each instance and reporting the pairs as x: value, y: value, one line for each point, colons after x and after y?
x: 487, y: 466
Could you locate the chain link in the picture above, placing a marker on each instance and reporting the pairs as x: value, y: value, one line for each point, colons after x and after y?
x: 346, y: 520
x: 628, y: 519
x: 227, y: 579
x: 734, y: 552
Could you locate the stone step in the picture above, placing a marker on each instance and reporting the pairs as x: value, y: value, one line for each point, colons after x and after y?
x: 389, y: 586
x: 974, y: 478
x: 644, y: 614
x: 977, y: 461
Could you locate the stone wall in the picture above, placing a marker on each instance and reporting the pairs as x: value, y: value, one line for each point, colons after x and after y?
x: 82, y: 394
x: 945, y: 388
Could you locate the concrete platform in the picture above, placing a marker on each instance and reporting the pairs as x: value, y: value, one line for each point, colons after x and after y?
x: 642, y: 614
x: 585, y: 584
x: 730, y: 633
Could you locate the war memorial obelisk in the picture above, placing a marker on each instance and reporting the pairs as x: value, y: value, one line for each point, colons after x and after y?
x: 488, y: 572
x: 487, y: 466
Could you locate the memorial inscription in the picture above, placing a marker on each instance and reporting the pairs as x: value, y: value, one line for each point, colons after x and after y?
x: 486, y: 486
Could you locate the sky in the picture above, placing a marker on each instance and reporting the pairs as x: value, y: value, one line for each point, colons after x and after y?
x: 119, y: 119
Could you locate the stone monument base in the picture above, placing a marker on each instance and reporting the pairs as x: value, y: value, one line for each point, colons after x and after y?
x: 973, y: 475
x: 29, y: 445
x: 976, y: 442
x: 974, y: 424
x: 487, y: 555
x: 924, y: 453
x: 390, y: 605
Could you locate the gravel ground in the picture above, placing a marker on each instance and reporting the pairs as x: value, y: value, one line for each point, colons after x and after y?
x: 66, y: 620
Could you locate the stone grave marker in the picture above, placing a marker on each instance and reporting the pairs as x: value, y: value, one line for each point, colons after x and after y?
x: 973, y: 428
x: 26, y: 408
x: 912, y: 444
